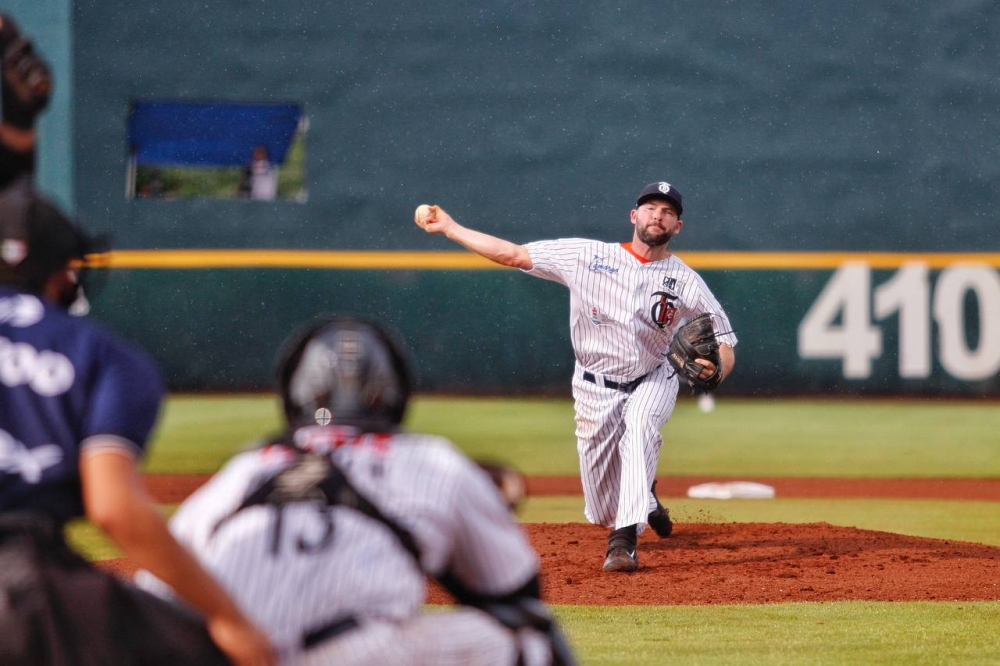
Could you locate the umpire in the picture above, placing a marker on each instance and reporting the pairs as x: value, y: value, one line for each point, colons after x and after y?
x: 77, y: 405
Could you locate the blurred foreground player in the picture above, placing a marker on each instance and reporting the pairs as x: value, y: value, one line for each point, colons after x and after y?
x: 25, y: 88
x: 76, y: 408
x: 325, y: 533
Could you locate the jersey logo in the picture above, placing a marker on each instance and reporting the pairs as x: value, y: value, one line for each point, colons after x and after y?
x: 663, y: 309
x: 16, y: 458
x: 600, y: 265
x: 21, y: 311
x: 47, y: 373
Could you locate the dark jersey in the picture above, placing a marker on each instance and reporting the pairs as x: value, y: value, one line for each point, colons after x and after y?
x: 65, y: 383
x: 14, y: 164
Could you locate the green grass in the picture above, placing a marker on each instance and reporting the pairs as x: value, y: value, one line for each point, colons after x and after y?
x: 536, y: 435
x: 198, y: 433
x: 830, y: 634
x: 849, y: 438
x: 852, y: 438
x: 742, y: 438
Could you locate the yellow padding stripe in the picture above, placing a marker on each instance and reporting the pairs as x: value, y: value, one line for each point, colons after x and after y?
x: 343, y: 260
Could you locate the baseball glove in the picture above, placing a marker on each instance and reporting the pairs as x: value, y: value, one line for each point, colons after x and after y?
x: 696, y: 340
x: 509, y: 481
x: 27, y: 81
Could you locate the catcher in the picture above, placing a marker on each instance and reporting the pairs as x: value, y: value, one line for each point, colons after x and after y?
x: 628, y: 302
x: 326, y: 533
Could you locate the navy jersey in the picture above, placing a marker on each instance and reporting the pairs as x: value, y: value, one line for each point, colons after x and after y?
x: 65, y: 383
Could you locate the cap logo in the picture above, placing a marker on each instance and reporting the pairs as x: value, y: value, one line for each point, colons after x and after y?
x: 323, y: 416
x: 664, y: 187
x: 13, y: 251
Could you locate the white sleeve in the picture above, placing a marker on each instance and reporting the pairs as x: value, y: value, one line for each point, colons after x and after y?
x: 193, y: 521
x: 196, y: 517
x: 556, y: 260
x: 492, y: 554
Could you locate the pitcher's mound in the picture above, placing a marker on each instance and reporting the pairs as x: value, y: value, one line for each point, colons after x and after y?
x: 732, y: 563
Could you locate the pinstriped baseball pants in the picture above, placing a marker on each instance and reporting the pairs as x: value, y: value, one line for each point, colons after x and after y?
x: 618, y: 442
x: 455, y: 637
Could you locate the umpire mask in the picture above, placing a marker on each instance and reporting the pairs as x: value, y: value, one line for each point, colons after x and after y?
x: 344, y: 371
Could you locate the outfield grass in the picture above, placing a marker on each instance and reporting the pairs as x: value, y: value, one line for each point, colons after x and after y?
x: 198, y: 433
x: 827, y: 634
x: 743, y: 438
x: 767, y: 437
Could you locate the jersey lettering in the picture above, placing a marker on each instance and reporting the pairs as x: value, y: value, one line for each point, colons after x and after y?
x: 48, y: 373
x: 16, y: 458
x: 21, y: 310
x: 600, y: 264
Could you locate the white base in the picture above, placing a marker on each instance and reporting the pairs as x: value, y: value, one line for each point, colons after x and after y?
x: 731, y: 490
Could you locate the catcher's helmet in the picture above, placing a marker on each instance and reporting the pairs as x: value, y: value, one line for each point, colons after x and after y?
x: 345, y: 371
x: 37, y: 240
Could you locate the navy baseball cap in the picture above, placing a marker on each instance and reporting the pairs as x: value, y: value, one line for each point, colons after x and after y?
x: 36, y: 238
x: 661, y: 190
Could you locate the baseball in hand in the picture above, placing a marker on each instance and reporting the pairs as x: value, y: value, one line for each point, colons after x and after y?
x: 424, y: 214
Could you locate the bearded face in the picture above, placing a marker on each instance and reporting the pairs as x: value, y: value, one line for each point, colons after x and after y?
x: 654, y: 236
x: 656, y: 222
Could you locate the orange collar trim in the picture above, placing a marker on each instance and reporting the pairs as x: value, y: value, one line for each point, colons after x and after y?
x: 628, y: 248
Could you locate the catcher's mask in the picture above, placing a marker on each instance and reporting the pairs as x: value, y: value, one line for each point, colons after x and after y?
x: 37, y: 241
x: 345, y: 371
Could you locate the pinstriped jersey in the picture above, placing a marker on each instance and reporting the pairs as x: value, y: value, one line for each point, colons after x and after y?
x: 623, y: 312
x: 321, y: 564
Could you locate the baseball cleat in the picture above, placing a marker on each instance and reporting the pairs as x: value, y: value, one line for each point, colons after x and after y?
x: 621, y: 558
x: 659, y: 518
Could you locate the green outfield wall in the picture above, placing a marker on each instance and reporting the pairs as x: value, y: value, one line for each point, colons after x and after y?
x: 839, y: 163
x: 868, y: 324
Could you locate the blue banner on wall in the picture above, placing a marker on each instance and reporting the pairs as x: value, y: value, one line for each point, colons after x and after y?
x: 209, y: 134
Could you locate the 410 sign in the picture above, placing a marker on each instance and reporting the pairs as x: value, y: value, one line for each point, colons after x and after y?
x: 839, y: 325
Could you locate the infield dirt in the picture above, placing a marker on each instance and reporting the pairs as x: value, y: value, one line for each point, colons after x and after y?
x: 752, y: 563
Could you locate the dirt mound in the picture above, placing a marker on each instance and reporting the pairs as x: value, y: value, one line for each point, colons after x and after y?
x: 734, y: 563
x: 731, y: 563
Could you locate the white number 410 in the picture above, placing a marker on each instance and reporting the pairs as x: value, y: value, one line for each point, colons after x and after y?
x: 839, y: 324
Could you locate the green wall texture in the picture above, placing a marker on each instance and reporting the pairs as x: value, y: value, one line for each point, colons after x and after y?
x: 861, y: 126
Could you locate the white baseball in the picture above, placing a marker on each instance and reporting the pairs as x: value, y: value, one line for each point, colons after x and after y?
x: 423, y: 215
